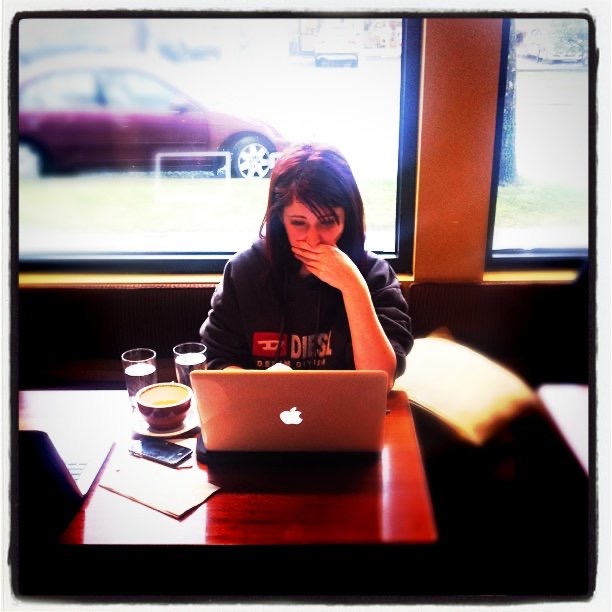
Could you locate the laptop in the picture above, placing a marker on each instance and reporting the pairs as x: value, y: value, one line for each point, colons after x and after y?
x: 78, y: 462
x: 50, y: 491
x: 337, y: 411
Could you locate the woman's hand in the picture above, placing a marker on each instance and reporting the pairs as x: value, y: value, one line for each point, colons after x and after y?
x: 371, y: 347
x: 327, y: 262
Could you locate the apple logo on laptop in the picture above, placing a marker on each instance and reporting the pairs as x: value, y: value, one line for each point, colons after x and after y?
x: 291, y: 417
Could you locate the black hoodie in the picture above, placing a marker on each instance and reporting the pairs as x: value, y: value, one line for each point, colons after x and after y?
x: 249, y: 316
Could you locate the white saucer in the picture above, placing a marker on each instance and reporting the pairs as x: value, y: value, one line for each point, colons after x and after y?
x: 140, y: 426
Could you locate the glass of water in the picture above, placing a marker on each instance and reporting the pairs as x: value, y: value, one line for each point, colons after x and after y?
x: 140, y: 369
x: 188, y: 356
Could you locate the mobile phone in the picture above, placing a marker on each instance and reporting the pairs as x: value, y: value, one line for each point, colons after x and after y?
x: 161, y: 451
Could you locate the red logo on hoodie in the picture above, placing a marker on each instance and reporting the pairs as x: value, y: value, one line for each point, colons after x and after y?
x: 265, y: 344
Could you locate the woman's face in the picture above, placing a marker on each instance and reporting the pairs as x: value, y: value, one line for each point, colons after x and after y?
x: 302, y: 224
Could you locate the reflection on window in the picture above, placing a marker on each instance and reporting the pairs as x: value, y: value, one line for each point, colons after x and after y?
x: 155, y: 137
x: 542, y: 197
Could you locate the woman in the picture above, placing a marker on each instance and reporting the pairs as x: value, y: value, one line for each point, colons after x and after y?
x: 307, y: 294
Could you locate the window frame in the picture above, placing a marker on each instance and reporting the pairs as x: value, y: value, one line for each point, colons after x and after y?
x: 213, y: 262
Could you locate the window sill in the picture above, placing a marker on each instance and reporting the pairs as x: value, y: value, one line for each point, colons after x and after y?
x: 46, y: 279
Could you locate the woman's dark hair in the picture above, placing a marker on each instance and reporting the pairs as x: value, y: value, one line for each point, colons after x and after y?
x: 320, y: 178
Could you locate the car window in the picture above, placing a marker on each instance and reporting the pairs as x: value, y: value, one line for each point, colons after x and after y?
x: 74, y: 90
x: 136, y: 92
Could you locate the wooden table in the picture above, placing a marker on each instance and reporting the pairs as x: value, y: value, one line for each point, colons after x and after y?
x: 381, y: 501
x: 365, y: 506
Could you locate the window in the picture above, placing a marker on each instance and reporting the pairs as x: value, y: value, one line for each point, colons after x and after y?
x: 541, y: 196
x: 146, y: 143
x: 137, y: 92
x: 76, y: 90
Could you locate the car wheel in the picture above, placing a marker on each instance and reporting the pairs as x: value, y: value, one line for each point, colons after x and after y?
x: 250, y: 159
x: 30, y: 161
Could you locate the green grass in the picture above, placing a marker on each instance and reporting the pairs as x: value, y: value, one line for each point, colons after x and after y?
x: 126, y: 204
x: 538, y: 205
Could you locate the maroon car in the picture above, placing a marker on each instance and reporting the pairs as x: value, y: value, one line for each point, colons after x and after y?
x: 94, y: 116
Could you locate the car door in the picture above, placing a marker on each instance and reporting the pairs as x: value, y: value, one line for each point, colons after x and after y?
x: 150, y: 118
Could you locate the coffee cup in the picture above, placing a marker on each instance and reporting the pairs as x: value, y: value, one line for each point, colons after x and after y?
x: 164, y: 406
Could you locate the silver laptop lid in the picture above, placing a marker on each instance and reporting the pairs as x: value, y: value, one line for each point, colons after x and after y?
x: 315, y: 410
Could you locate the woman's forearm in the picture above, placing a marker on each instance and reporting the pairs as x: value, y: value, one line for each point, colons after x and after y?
x: 371, y: 347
